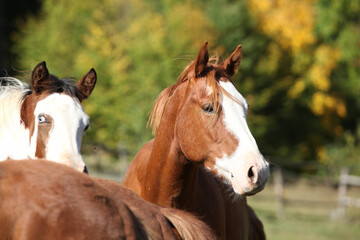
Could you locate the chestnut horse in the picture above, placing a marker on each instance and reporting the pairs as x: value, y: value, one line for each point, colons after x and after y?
x: 203, y: 158
x: 46, y: 200
x: 46, y: 119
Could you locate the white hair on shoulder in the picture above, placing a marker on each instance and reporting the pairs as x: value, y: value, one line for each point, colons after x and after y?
x: 10, y: 85
x: 12, y: 95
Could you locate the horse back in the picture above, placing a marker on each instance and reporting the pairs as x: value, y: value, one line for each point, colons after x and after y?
x: 45, y: 200
x: 156, y: 223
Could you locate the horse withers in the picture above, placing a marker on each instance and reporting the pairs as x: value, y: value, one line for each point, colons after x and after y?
x: 45, y: 120
x: 203, y: 158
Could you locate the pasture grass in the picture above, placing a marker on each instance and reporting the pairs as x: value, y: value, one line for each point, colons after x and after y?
x: 308, y: 213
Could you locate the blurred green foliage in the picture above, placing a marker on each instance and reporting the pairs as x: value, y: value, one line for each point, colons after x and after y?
x: 300, y: 72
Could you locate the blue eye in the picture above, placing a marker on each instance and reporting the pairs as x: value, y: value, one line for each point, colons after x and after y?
x: 42, y: 119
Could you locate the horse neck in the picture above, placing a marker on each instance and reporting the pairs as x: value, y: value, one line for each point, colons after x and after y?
x: 169, y: 174
x: 170, y: 178
x: 14, y: 138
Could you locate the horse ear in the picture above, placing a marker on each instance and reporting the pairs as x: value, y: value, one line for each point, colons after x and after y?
x: 231, y: 64
x: 87, y: 83
x: 39, y: 77
x: 201, y: 60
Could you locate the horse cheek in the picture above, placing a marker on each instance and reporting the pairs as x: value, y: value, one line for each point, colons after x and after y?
x: 192, y: 139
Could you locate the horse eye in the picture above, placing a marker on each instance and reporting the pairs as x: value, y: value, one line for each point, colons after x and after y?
x: 42, y: 119
x: 208, y: 108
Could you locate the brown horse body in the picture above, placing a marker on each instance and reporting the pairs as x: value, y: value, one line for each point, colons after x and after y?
x: 183, y: 166
x: 46, y: 200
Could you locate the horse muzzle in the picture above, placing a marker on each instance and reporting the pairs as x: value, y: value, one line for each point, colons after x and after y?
x: 250, y: 180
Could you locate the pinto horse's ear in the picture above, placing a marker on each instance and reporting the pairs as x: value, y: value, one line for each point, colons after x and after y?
x: 39, y: 77
x: 231, y: 64
x: 87, y: 83
x: 201, y: 60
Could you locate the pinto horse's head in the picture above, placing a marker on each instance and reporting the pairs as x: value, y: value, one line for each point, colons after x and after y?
x: 55, y: 118
x: 209, y: 117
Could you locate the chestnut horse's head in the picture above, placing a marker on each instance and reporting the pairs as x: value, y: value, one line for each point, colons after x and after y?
x: 51, y: 117
x: 209, y: 121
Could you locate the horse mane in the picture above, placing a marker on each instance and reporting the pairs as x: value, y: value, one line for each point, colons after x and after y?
x: 158, y: 108
x: 10, y: 85
x: 188, y: 226
x: 12, y: 94
x: 187, y: 74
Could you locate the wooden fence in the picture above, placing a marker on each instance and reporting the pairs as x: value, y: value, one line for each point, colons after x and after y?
x: 344, y: 200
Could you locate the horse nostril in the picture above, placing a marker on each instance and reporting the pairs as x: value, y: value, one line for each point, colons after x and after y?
x: 252, y: 175
x: 86, y: 170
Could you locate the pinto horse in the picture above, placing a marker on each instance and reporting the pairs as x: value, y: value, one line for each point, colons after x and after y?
x: 46, y: 200
x: 46, y: 119
x: 203, y: 158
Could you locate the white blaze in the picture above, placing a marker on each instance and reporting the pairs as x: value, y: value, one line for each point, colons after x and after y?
x: 247, y: 153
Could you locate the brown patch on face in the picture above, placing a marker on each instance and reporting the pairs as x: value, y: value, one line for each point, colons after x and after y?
x: 43, y: 135
x: 27, y: 116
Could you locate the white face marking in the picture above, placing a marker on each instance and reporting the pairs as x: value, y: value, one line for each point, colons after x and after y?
x: 69, y: 122
x: 247, y: 154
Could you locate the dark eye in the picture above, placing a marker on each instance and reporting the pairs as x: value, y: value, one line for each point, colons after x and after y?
x: 208, y: 108
x: 87, y: 127
x: 42, y: 119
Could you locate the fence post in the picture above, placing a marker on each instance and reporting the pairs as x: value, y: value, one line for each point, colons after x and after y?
x: 279, y: 193
x: 342, y: 193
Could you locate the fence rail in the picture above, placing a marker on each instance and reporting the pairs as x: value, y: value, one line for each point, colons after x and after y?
x: 343, y: 200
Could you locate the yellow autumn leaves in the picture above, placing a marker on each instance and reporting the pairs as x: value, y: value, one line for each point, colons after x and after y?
x: 291, y: 24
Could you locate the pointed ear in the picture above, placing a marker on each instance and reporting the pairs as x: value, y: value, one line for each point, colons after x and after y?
x: 39, y: 77
x: 201, y: 60
x: 87, y: 83
x: 231, y: 64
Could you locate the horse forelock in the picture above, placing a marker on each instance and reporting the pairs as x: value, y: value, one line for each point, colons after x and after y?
x: 64, y: 85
